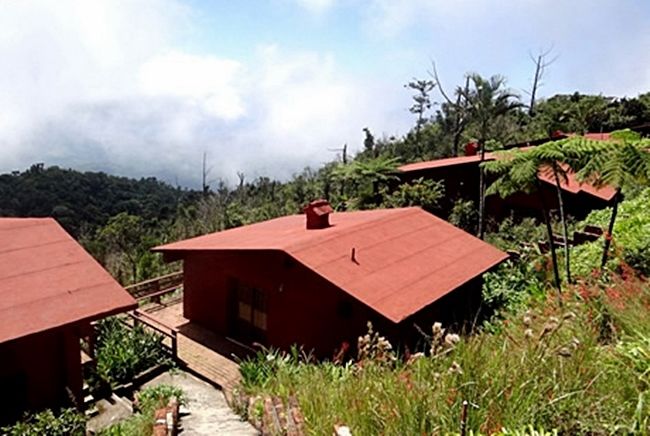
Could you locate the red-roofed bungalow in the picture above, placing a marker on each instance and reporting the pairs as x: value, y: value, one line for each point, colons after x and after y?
x: 50, y: 291
x: 461, y: 180
x: 317, y: 279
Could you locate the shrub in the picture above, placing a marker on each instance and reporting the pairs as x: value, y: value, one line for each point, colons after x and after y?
x: 155, y: 397
x: 69, y: 422
x: 631, y: 237
x: 464, y: 215
x: 510, y: 286
x: 123, y: 352
x: 513, y: 235
x: 513, y: 283
x: 260, y: 368
x: 421, y: 192
x: 148, y: 401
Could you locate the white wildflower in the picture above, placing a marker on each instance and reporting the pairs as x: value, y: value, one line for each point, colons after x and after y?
x: 452, y: 339
x: 455, y: 368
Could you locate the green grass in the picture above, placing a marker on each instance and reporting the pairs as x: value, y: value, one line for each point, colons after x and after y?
x: 580, y: 369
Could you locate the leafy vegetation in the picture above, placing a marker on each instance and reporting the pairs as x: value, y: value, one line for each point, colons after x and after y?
x: 122, y: 352
x: 68, y: 422
x: 147, y: 401
x: 631, y: 238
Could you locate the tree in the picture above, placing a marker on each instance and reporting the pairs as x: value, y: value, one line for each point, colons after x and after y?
x: 205, y: 171
x: 487, y: 101
x: 455, y: 111
x: 422, y: 192
x: 619, y: 163
x: 125, y: 234
x: 541, y: 63
x: 367, y: 178
x: 369, y: 142
x: 550, y: 158
x: 517, y: 171
x: 421, y: 104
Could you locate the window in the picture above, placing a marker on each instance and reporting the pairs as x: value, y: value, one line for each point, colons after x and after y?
x: 251, y: 312
x: 259, y: 309
x: 245, y: 312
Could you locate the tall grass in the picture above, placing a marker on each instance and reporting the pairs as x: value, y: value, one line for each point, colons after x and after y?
x: 580, y: 369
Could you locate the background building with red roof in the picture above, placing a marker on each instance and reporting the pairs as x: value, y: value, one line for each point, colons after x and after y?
x: 317, y: 279
x: 460, y: 176
x: 50, y: 291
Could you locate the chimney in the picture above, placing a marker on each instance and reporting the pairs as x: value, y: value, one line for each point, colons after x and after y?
x: 318, y: 214
x: 471, y: 149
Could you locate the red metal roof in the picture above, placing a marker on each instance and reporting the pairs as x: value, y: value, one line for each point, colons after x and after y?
x: 405, y: 258
x: 598, y: 136
x: 573, y: 186
x: 444, y: 162
x: 48, y: 280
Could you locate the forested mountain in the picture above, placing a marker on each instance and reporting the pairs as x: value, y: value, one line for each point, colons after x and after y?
x: 84, y: 201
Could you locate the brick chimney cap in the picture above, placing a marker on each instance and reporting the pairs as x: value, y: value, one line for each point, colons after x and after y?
x: 319, y: 207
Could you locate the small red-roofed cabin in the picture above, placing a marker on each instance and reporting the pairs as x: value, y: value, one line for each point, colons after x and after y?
x: 283, y: 282
x: 51, y: 289
x: 460, y: 176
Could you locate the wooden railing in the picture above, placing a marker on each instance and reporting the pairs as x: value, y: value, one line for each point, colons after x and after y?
x: 157, y: 287
x: 147, y: 321
x: 588, y: 234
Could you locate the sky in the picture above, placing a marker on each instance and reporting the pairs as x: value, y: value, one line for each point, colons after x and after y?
x: 267, y: 87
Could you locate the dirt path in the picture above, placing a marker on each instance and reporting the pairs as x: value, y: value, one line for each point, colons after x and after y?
x: 209, y: 413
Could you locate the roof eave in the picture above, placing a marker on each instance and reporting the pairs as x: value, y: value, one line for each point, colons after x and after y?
x: 88, y: 319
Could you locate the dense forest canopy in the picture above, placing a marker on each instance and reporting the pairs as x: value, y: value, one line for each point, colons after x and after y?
x: 83, y: 201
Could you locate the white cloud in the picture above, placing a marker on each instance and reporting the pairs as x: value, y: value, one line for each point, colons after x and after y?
x: 100, y: 86
x: 208, y: 81
x: 57, y: 54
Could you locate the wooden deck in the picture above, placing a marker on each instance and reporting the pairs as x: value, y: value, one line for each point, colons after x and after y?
x: 200, y: 350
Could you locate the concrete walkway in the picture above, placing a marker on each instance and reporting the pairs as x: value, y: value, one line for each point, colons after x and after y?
x: 209, y: 413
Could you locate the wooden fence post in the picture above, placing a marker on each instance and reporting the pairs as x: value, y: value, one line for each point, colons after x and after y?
x: 463, y: 419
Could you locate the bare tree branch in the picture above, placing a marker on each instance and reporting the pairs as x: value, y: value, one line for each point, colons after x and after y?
x: 541, y: 63
x: 434, y: 74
